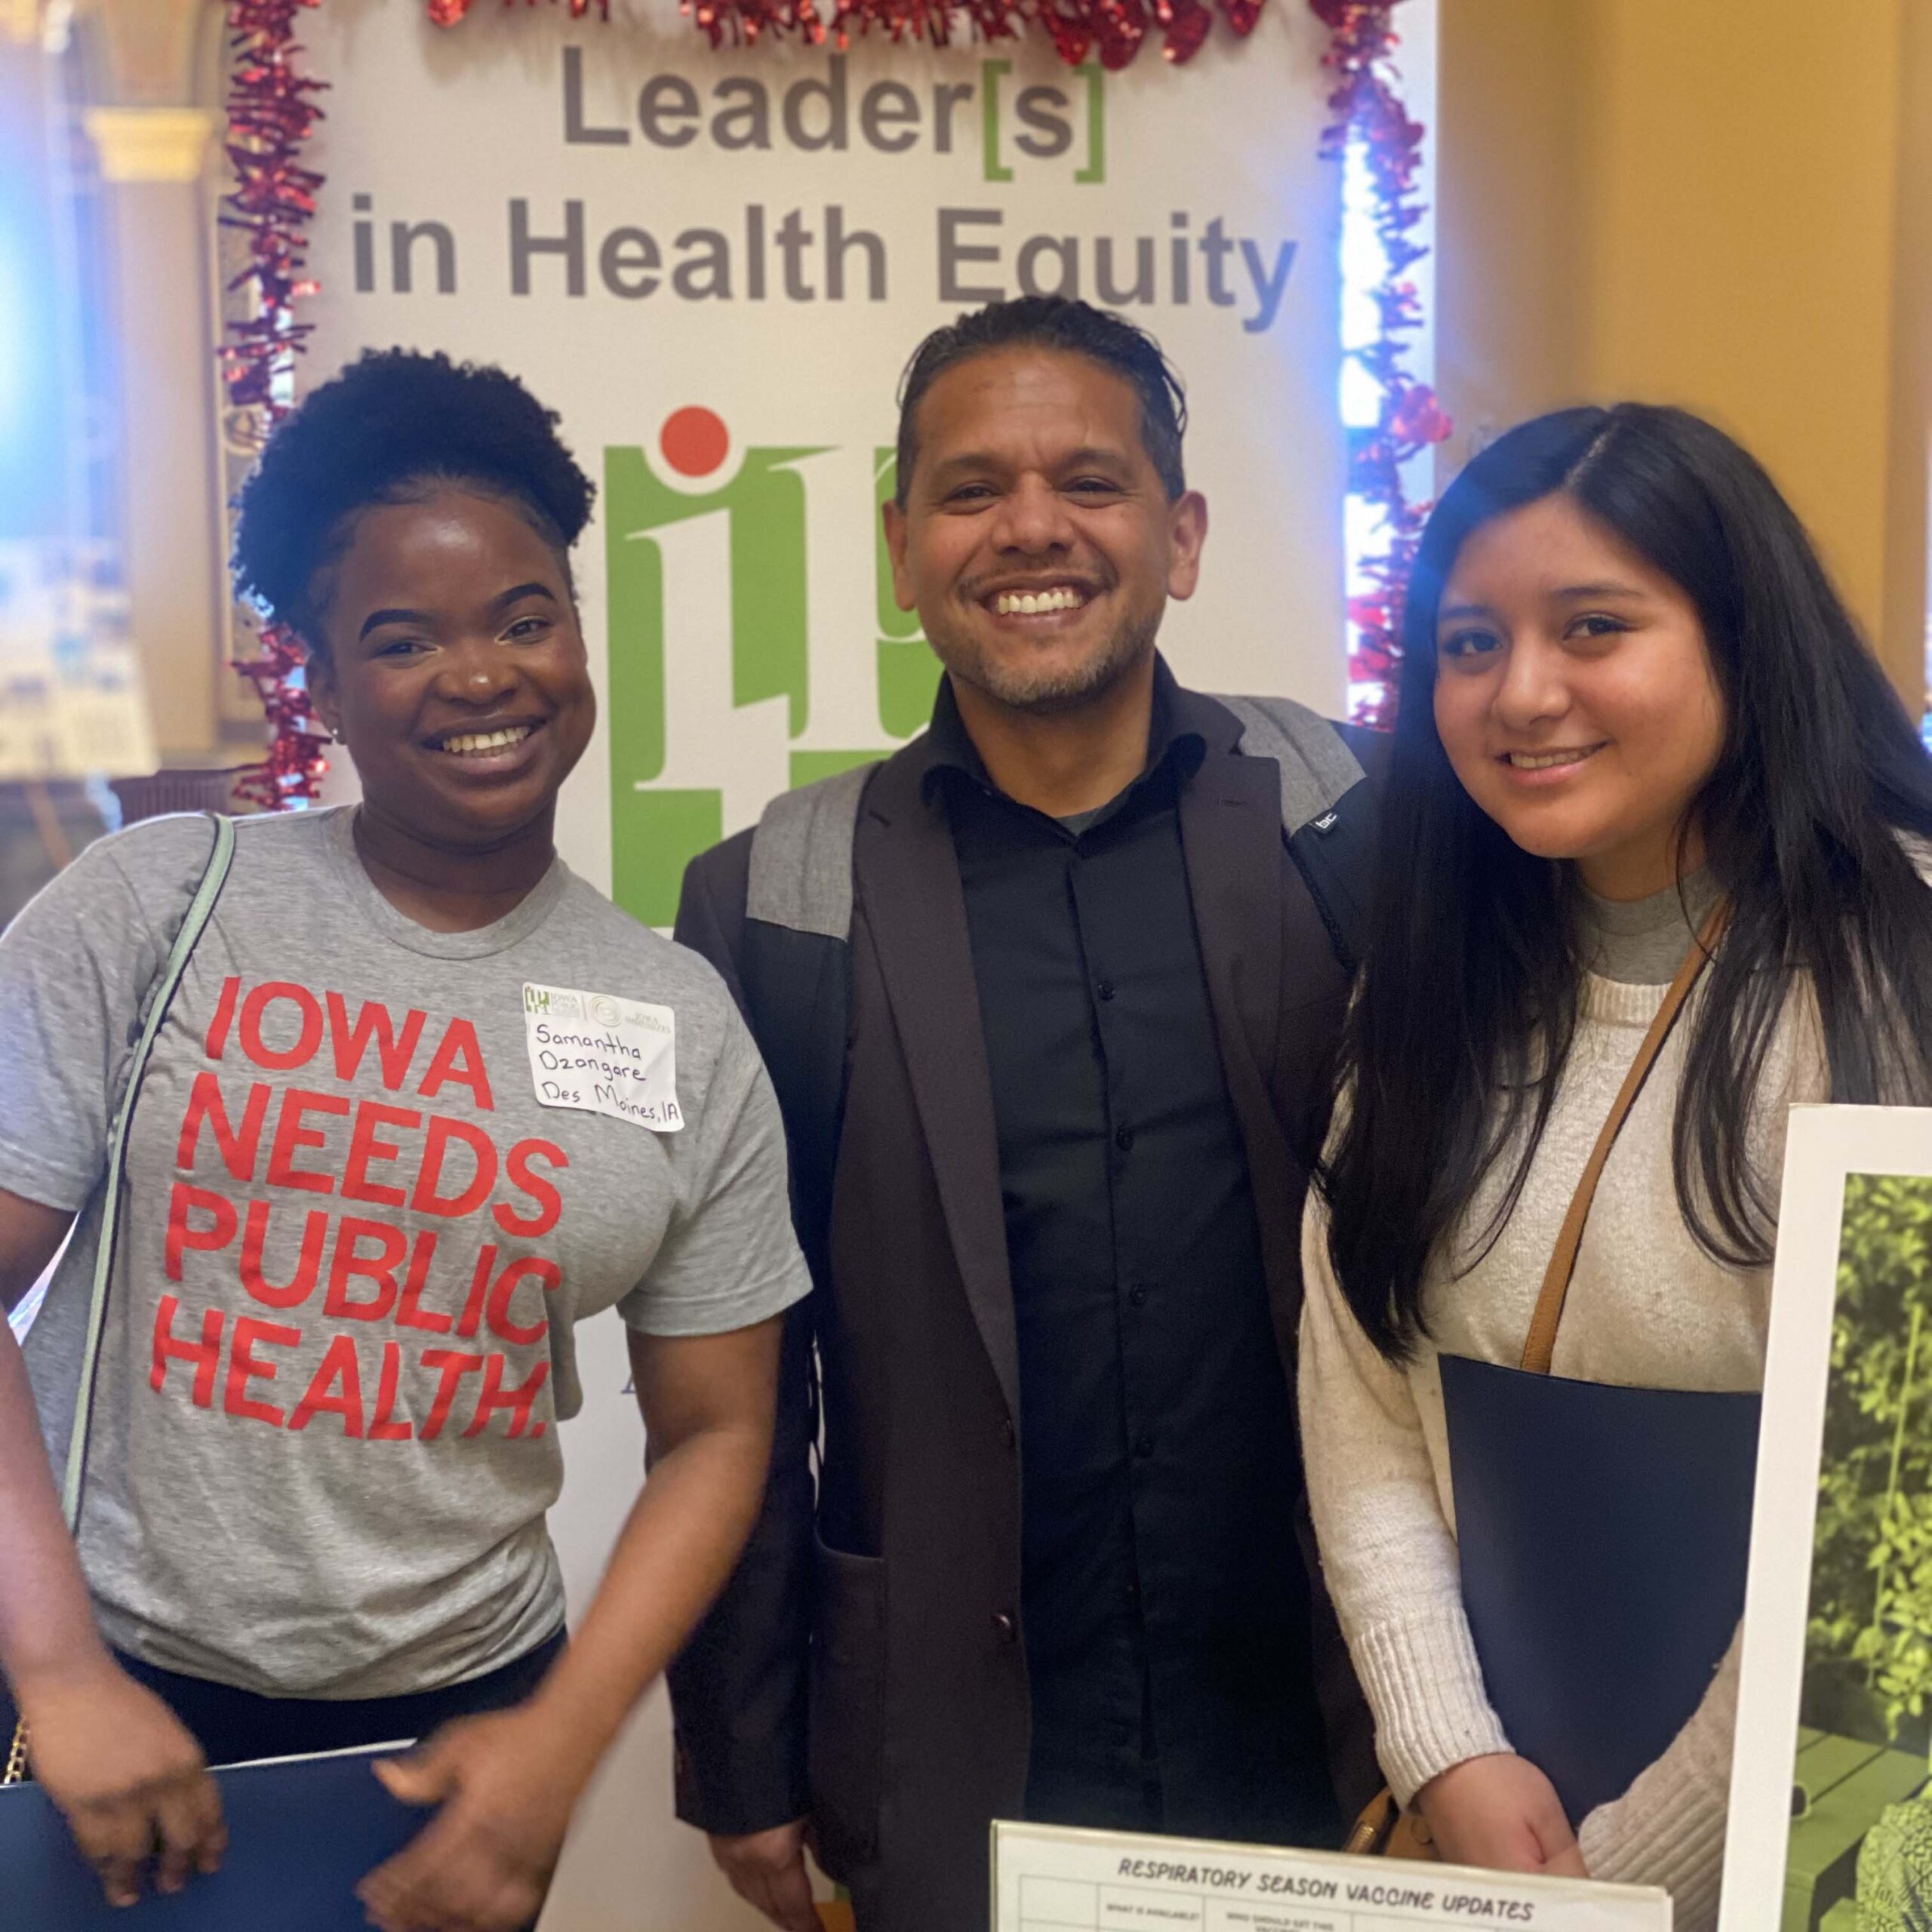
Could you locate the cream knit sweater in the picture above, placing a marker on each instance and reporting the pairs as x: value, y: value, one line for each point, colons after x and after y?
x: 1647, y: 1308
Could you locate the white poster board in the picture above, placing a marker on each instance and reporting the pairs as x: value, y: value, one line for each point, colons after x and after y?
x: 1830, y: 1828
x: 1046, y: 1880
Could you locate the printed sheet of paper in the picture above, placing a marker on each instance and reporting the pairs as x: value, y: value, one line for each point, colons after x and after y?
x: 1048, y: 1880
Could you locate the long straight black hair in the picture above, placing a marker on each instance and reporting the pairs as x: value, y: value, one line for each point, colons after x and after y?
x: 1469, y: 989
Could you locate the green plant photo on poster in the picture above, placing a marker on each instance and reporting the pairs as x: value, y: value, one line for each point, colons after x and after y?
x: 1860, y: 1856
x: 1871, y: 1581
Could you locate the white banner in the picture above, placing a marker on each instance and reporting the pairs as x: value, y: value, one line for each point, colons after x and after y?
x: 715, y: 265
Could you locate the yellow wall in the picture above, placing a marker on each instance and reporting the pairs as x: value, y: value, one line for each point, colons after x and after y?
x: 1725, y: 204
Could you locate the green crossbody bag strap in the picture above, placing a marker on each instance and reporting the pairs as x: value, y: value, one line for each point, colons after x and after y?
x: 160, y: 995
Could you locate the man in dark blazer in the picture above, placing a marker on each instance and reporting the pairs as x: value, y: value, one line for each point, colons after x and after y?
x: 1050, y: 999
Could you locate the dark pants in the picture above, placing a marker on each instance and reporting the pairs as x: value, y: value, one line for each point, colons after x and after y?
x: 232, y: 1727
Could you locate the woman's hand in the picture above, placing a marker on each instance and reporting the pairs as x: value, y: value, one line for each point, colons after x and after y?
x: 506, y: 1784
x: 129, y: 1781
x: 1500, y: 1812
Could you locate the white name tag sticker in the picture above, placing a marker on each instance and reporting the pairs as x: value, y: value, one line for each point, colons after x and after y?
x: 604, y: 1055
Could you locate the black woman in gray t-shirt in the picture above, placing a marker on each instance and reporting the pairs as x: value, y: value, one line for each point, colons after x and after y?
x: 421, y: 1102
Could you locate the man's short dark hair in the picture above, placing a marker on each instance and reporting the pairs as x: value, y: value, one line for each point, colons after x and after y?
x: 1054, y: 321
x: 390, y: 424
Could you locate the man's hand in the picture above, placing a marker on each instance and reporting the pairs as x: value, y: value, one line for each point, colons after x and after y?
x: 483, y: 1862
x: 129, y: 1780
x: 1499, y: 1812
x: 768, y: 1869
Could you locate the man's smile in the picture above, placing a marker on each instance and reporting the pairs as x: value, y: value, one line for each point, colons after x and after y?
x: 1038, y: 604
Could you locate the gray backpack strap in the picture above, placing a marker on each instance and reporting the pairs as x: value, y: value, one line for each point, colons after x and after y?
x: 802, y: 857
x: 1318, y: 769
x: 794, y: 972
x: 160, y: 993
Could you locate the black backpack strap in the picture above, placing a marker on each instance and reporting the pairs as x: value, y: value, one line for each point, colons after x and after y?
x: 1335, y: 855
x: 1329, y: 784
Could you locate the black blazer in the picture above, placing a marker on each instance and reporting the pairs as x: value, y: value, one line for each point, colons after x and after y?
x: 863, y: 1668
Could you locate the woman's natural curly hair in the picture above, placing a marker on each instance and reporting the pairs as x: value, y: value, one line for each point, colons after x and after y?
x: 394, y: 423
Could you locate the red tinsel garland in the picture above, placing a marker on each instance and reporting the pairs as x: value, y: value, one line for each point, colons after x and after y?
x: 1368, y: 110
x: 271, y: 112
x: 446, y: 13
x: 1111, y: 30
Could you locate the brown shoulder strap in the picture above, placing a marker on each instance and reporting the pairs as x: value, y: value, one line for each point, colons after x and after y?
x: 1542, y: 1343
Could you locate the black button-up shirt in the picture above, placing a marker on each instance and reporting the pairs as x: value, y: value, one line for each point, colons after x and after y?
x: 1164, y: 1601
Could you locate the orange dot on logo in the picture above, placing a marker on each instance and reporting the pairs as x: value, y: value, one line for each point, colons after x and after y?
x: 694, y: 441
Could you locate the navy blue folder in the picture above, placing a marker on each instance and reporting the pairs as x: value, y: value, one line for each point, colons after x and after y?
x: 1604, y: 1533
x: 302, y: 1833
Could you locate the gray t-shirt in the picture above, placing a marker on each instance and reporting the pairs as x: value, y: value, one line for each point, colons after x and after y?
x: 355, y: 1241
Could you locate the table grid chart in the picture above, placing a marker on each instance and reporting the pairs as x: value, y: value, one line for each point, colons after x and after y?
x: 1074, y: 1905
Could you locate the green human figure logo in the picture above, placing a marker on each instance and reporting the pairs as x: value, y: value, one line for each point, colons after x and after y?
x: 656, y: 828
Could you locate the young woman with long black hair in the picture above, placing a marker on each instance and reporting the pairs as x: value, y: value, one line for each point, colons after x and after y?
x: 1638, y: 732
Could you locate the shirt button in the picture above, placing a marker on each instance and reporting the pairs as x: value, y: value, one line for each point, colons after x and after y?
x: 1136, y: 1298
x: 1143, y: 1446
x: 1123, y: 1139
x: 1106, y: 989
x: 1007, y: 1626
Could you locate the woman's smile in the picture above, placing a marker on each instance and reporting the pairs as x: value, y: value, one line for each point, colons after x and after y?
x: 491, y: 749
x: 1540, y: 771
